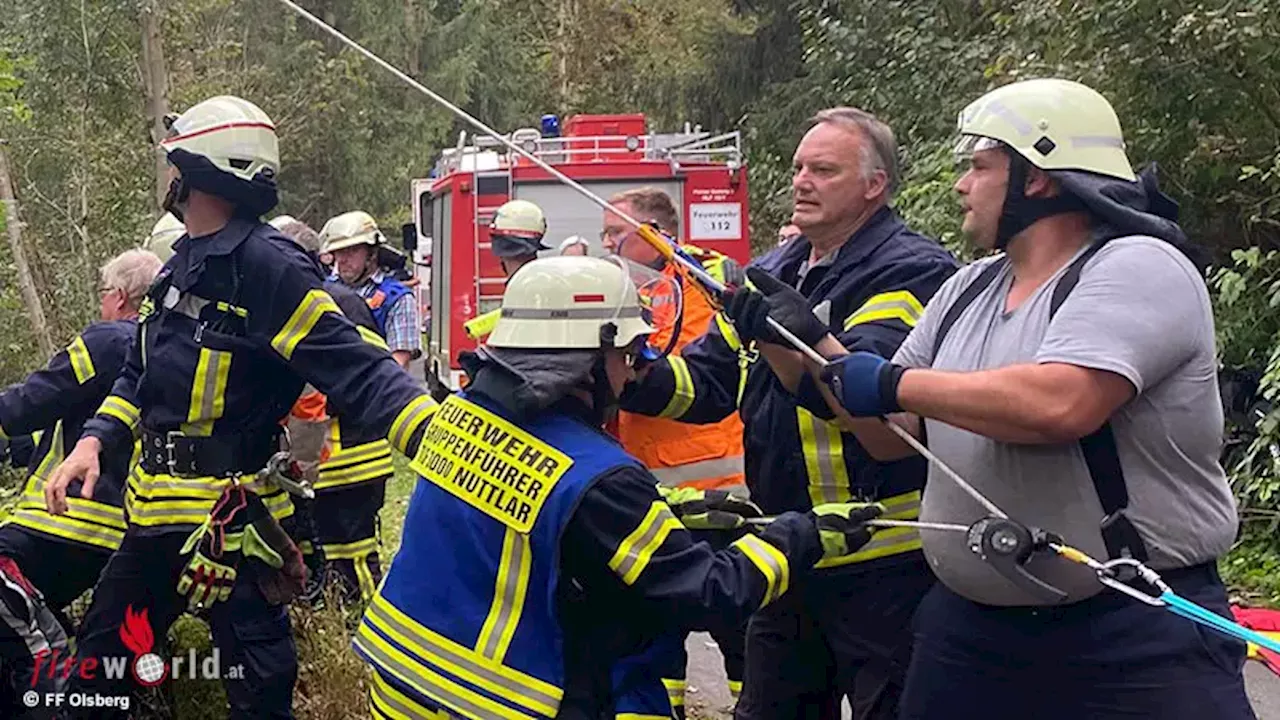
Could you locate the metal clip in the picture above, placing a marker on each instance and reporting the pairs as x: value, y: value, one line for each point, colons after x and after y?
x: 278, y: 473
x: 1109, y: 574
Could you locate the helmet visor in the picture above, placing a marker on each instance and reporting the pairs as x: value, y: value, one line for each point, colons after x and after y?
x: 966, y: 145
x: 661, y: 303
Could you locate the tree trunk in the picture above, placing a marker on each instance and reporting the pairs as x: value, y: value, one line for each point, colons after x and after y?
x: 26, y: 280
x: 156, y: 77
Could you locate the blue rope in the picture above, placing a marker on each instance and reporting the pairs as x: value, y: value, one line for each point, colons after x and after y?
x: 1187, y: 609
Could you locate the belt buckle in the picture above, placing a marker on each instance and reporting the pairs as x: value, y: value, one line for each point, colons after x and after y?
x: 170, y: 461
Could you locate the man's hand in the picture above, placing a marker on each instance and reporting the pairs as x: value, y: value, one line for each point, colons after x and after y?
x: 842, y: 526
x: 788, y: 307
x: 81, y: 464
x: 709, y: 509
x: 865, y: 384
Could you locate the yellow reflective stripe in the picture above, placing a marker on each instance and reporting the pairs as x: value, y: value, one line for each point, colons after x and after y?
x: 897, y: 305
x: 393, y: 704
x: 823, y: 450
x: 81, y: 361
x: 481, y: 326
x: 675, y: 691
x: 233, y: 309
x: 735, y: 688
x: 208, y: 392
x: 458, y: 698
x: 68, y: 528
x: 156, y: 500
x: 372, y: 337
x: 375, y: 469
x: 682, y: 396
x: 887, y: 541
x: 364, y: 578
x: 313, y: 306
x: 363, y: 453
x: 424, y: 646
x: 771, y: 563
x: 351, y: 550
x: 637, y: 549
x: 728, y: 332
x: 120, y: 409
x: 640, y: 716
x: 418, y: 411
x: 77, y: 508
x: 508, y: 596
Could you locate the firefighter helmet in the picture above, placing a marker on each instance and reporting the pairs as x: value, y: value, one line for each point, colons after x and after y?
x: 224, y: 146
x: 350, y: 229
x: 517, y: 229
x: 164, y: 234
x: 1055, y: 124
x: 571, y: 303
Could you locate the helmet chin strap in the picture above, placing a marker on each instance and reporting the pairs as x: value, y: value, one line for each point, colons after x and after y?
x: 1020, y: 212
x: 176, y: 197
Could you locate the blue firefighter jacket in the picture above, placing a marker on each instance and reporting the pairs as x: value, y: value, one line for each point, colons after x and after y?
x: 871, y: 296
x: 56, y: 401
x: 519, y: 536
x: 234, y: 326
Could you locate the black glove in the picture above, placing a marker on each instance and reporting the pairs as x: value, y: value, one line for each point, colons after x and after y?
x: 748, y: 308
x: 788, y: 307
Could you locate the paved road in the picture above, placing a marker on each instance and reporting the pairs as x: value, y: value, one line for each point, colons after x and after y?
x: 707, y: 697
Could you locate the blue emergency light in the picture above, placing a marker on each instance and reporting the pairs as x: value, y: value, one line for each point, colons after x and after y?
x: 550, y: 126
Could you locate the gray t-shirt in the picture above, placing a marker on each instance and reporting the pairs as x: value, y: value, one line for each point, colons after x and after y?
x: 1139, y: 310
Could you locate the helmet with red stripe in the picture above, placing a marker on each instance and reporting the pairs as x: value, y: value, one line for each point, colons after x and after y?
x: 225, y: 146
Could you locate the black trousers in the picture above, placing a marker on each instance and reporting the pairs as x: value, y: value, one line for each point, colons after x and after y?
x: 347, y: 527
x: 1105, y: 658
x: 257, y: 657
x: 846, y: 633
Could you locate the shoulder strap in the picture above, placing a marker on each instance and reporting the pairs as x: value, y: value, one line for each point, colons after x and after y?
x: 967, y: 296
x: 1099, y: 449
x: 1070, y: 278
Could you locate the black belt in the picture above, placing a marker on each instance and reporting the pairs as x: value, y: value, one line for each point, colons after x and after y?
x: 172, y: 453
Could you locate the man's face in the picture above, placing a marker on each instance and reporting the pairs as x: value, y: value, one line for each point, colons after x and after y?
x: 827, y: 183
x: 618, y: 370
x: 787, y: 234
x: 982, y: 191
x: 619, y: 237
x: 351, y: 263
x: 113, y: 304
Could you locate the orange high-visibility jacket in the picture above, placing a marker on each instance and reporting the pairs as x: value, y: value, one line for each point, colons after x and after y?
x: 681, y: 454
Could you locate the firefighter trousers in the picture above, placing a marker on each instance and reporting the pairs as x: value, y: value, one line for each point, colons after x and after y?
x: 347, y: 527
x: 257, y: 658
x: 844, y: 633
x: 35, y: 626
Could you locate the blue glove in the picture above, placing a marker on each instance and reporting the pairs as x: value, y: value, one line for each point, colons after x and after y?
x: 865, y: 383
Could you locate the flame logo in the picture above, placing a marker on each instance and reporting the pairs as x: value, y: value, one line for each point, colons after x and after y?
x: 135, y: 632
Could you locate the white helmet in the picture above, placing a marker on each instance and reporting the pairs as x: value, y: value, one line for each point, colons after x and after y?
x: 574, y: 241
x: 233, y: 134
x: 349, y: 229
x: 1055, y: 124
x: 164, y: 234
x: 571, y: 303
x: 517, y: 229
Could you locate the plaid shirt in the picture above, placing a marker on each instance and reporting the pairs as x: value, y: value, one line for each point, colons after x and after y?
x: 403, y: 329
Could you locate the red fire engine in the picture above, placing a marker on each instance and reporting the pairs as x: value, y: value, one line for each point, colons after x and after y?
x: 704, y: 173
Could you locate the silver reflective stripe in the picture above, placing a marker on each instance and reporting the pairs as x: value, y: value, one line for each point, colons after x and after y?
x: 428, y: 683
x: 634, y: 552
x: 384, y: 696
x: 823, y: 458
x: 701, y: 470
x: 508, y: 601
x: 571, y: 314
x: 514, y: 690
